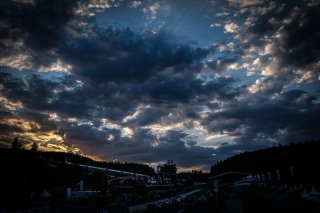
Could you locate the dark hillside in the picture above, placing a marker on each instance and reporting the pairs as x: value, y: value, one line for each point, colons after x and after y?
x: 302, y: 158
x: 26, y: 174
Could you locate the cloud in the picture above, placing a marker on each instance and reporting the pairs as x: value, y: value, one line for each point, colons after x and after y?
x: 258, y: 121
x: 40, y: 25
x: 285, y: 37
x: 300, y: 39
x: 32, y: 30
x: 245, y: 3
x: 143, y: 146
x: 123, y: 55
x: 231, y: 27
x: 154, y: 9
x: 136, y: 4
x: 71, y: 111
x: 143, y: 96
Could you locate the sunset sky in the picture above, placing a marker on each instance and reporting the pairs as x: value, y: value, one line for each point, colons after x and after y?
x: 148, y: 81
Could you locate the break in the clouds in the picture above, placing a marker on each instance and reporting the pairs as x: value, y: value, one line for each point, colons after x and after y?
x: 148, y: 81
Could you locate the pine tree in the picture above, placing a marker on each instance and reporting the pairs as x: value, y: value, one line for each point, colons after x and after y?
x: 34, y: 147
x: 16, y: 144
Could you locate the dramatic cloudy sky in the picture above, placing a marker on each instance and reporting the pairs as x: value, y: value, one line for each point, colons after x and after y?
x: 147, y: 81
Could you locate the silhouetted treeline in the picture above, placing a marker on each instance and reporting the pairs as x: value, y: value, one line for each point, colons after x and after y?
x: 26, y: 174
x: 123, y: 166
x: 299, y: 159
x: 56, y: 157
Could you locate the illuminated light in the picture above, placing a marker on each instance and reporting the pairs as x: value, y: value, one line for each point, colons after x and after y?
x: 10, y: 105
x: 154, y: 10
x: 106, y: 123
x: 161, y: 129
x: 56, y: 147
x: 305, y: 76
x: 131, y: 117
x: 71, y: 88
x: 257, y: 62
x: 211, y: 146
x: 256, y: 87
x: 136, y: 113
x: 197, y: 125
x: 79, y: 83
x: 80, y: 122
x: 215, y: 25
x: 211, y: 137
x: 57, y: 66
x: 110, y: 137
x: 95, y: 158
x: 49, y: 136
x: 268, y: 49
x: 75, y: 150
x: 16, y: 62
x: 231, y: 28
x: 155, y: 144
x: 23, y: 124
x: 233, y: 66
x: 20, y: 62
x: 136, y: 4
x: 72, y: 119
x: 54, y: 116
x: 99, y: 4
x: 43, y: 139
x: 126, y: 131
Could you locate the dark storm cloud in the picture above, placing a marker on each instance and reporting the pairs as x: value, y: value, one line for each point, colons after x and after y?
x: 187, y: 90
x: 40, y: 23
x: 258, y: 122
x: 296, y: 31
x: 40, y: 118
x: 149, y: 116
x: 53, y: 96
x: 100, y: 55
x: 4, y: 113
x: 6, y: 129
x: 221, y: 65
x: 162, y: 79
x: 173, y: 145
x: 301, y: 38
x: 34, y: 93
x: 269, y: 111
x: 124, y: 56
x: 142, y: 147
x: 39, y: 26
x: 84, y: 135
x: 113, y: 101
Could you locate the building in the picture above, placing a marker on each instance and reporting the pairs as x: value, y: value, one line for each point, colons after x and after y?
x: 167, y: 172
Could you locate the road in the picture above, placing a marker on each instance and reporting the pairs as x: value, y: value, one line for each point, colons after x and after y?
x: 164, y: 200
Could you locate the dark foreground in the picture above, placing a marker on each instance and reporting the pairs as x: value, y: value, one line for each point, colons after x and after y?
x: 250, y: 199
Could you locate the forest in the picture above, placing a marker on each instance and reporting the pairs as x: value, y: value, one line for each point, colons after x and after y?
x: 26, y: 174
x: 297, y: 160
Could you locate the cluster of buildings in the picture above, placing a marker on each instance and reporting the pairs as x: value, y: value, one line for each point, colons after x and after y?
x: 131, y: 185
x: 167, y: 173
